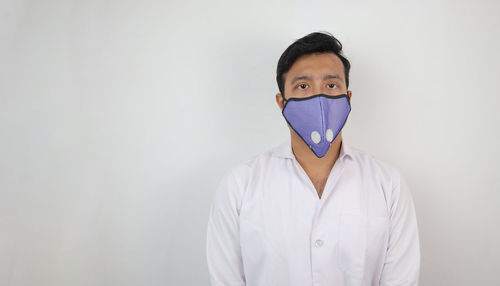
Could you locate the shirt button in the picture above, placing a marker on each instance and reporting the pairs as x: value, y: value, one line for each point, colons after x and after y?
x: 319, y: 243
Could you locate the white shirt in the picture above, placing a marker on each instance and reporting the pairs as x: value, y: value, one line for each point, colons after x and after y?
x: 268, y: 227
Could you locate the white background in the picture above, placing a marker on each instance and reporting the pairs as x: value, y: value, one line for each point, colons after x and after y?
x: 119, y: 118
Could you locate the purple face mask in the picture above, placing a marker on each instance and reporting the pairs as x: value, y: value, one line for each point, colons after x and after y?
x: 317, y: 119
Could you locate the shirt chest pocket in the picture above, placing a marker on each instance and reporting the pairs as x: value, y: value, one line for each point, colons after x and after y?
x: 360, y: 238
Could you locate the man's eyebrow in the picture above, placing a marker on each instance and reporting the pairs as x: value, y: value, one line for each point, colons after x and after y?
x: 300, y: 78
x: 328, y: 76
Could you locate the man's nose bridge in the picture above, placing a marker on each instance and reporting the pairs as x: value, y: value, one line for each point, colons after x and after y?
x: 317, y: 88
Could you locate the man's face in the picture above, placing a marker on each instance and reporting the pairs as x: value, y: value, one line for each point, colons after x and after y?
x: 313, y: 74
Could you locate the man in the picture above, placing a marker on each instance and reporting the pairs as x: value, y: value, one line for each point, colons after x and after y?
x: 313, y: 211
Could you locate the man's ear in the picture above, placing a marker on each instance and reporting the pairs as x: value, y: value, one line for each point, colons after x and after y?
x: 349, y: 93
x: 279, y: 100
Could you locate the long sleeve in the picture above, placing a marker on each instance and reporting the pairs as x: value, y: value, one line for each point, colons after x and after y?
x: 402, y: 263
x: 223, y: 240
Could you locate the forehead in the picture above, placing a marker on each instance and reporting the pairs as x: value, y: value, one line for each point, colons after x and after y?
x: 316, y: 64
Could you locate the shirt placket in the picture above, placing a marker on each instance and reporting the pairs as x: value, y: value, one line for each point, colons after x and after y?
x: 318, y: 240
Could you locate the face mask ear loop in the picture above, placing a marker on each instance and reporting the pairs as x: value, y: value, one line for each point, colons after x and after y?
x: 284, y: 100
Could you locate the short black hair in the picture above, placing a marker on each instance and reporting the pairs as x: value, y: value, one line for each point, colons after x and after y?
x: 314, y: 43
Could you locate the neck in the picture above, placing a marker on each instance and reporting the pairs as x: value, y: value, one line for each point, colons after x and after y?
x: 314, y: 166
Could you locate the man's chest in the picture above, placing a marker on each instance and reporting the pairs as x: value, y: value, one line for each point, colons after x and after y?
x: 285, y: 223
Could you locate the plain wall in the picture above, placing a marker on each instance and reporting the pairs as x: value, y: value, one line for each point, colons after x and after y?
x: 119, y: 118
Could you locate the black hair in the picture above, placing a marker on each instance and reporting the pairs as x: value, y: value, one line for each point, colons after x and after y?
x: 317, y: 42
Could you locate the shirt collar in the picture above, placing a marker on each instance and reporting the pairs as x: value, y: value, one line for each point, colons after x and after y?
x: 285, y: 150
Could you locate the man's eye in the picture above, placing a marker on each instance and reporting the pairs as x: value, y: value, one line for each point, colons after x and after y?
x: 332, y: 85
x: 302, y: 86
